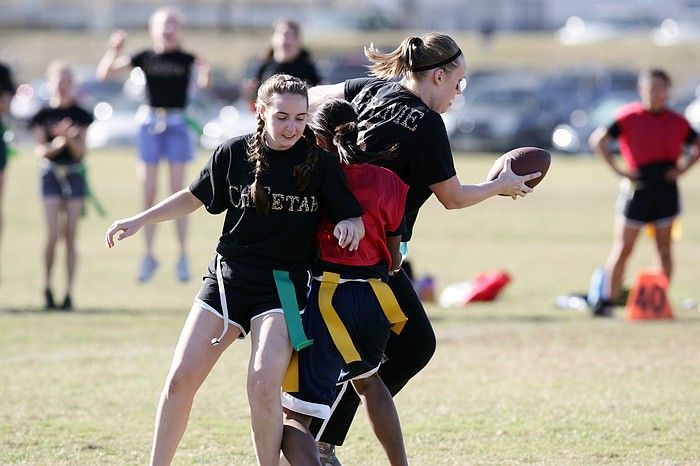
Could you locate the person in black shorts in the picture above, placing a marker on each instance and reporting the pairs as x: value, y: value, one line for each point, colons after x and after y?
x: 651, y: 138
x: 286, y: 55
x: 406, y: 113
x: 163, y: 132
x: 59, y: 130
x: 350, y: 311
x: 272, y: 184
x: 7, y: 90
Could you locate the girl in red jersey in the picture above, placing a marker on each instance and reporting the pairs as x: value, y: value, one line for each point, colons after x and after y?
x: 272, y: 184
x: 351, y: 310
x: 651, y: 138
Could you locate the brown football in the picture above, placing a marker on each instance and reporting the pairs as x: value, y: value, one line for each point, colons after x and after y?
x: 525, y: 160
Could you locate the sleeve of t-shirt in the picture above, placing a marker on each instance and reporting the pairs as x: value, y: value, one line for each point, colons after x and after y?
x: 190, y: 59
x: 137, y: 59
x: 260, y: 71
x: 431, y: 160
x: 37, y: 119
x: 7, y: 84
x: 211, y: 186
x: 83, y: 117
x: 692, y: 135
x: 355, y: 85
x: 614, y: 129
x: 337, y: 200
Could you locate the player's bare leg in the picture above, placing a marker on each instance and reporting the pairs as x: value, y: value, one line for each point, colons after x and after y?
x: 269, y: 358
x: 192, y: 361
x: 298, y: 445
x: 625, y: 239
x: 664, y: 243
x: 383, y: 417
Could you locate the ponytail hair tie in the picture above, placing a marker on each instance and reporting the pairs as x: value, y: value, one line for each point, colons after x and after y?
x: 438, y: 64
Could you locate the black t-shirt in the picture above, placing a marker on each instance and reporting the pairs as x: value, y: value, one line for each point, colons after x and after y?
x: 47, y: 117
x: 393, y: 115
x: 301, y: 67
x: 285, y: 237
x: 167, y: 76
x: 7, y: 84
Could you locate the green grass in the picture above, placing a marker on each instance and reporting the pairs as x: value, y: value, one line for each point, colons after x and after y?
x: 514, y: 381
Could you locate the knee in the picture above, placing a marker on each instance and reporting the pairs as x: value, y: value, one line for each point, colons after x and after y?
x: 665, y: 256
x: 70, y: 240
x: 262, y: 391
x: 179, y: 382
x: 416, y: 356
x: 51, y: 240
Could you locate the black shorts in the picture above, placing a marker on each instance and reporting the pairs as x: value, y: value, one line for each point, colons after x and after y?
x: 65, y: 184
x: 250, y: 292
x: 641, y: 203
x: 321, y: 366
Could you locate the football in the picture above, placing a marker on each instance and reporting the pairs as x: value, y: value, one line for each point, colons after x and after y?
x: 524, y: 160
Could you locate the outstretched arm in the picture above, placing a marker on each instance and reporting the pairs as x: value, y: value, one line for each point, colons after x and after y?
x: 113, y: 61
x: 454, y: 195
x: 177, y: 205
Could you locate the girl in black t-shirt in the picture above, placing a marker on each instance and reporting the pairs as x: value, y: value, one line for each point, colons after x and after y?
x: 272, y: 185
x: 285, y: 55
x: 59, y: 130
x: 406, y: 113
x: 163, y: 133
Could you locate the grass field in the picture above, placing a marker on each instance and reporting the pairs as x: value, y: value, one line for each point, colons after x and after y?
x: 514, y: 381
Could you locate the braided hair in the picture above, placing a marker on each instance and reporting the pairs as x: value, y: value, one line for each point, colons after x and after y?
x: 335, y: 121
x: 257, y: 148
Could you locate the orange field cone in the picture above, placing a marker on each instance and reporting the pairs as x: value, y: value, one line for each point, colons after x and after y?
x: 648, y: 298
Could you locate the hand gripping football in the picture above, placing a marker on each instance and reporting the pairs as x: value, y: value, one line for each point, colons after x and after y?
x: 524, y: 160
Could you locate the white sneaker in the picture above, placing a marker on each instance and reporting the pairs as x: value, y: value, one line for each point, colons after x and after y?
x: 149, y: 264
x: 182, y: 271
x: 326, y: 452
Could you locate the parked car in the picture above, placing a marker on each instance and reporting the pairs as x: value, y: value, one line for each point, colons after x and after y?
x: 501, y: 113
x: 577, y: 87
x: 572, y: 136
x: 231, y: 121
x: 339, y: 68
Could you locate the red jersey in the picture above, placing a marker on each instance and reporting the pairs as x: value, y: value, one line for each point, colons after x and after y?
x: 382, y: 195
x: 646, y: 138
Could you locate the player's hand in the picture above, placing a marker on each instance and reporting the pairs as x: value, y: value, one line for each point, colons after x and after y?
x: 349, y: 232
x: 117, y: 39
x: 122, y: 229
x: 514, y: 185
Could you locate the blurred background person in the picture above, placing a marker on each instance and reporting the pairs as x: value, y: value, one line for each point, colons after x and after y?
x: 164, y: 133
x: 285, y: 54
x: 7, y: 90
x: 651, y: 138
x: 59, y: 130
